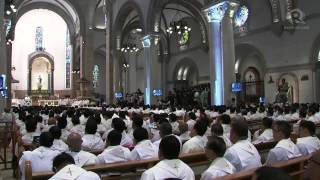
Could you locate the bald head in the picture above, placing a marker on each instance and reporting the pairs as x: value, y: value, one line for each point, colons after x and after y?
x: 74, y: 142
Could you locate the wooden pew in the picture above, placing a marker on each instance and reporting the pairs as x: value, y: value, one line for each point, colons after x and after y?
x: 130, y: 167
x: 294, y: 168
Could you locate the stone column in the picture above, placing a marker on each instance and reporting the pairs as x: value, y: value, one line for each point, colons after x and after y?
x: 132, y: 73
x: 221, y: 52
x: 109, y: 62
x: 152, y: 69
x: 3, y: 58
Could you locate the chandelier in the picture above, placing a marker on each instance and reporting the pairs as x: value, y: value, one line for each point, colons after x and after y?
x: 129, y: 48
x: 10, y: 7
x: 178, y: 27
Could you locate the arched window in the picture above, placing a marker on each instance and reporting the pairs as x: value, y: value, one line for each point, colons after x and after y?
x: 241, y: 16
x: 68, y: 60
x: 96, y: 76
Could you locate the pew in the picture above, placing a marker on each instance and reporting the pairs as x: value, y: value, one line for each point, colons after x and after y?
x: 129, y: 168
x: 294, y: 168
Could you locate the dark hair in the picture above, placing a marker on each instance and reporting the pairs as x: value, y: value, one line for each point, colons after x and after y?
x: 75, y: 120
x: 97, y: 118
x: 200, y: 127
x: 62, y: 122
x: 140, y: 134
x: 267, y: 122
x: 225, y: 119
x: 51, y: 114
x: 217, y: 145
x: 38, y: 118
x: 46, y: 139
x: 192, y: 115
x: 91, y: 126
x: 309, y: 125
x: 165, y: 129
x: 137, y: 121
x: 114, y: 138
x: 118, y: 124
x: 122, y: 114
x: 55, y: 131
x: 172, y: 117
x: 62, y: 159
x: 217, y: 129
x: 267, y: 173
x: 170, y: 147
x: 31, y: 124
x: 285, y: 128
x: 240, y: 128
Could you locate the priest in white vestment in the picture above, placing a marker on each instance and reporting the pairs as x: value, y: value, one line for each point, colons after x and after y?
x: 217, y: 130
x: 92, y: 140
x: 242, y: 154
x: 308, y: 143
x: 114, y: 152
x: 65, y: 169
x: 198, y: 141
x: 58, y: 144
x: 265, y: 133
x: 170, y: 165
x: 144, y: 149
x: 285, y: 148
x: 40, y: 158
x: 81, y: 158
x: 220, y: 166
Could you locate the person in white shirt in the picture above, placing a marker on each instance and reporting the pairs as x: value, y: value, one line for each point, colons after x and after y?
x: 217, y: 130
x: 198, y: 141
x: 62, y: 124
x: 81, y: 158
x: 191, y: 120
x: 170, y: 166
x: 174, y: 123
x: 119, y: 125
x: 77, y: 127
x: 101, y: 129
x: 225, y: 121
x: 144, y: 149
x: 91, y: 140
x: 65, y: 169
x: 265, y: 133
x: 285, y: 148
x: 220, y: 166
x: 30, y: 127
x: 242, y: 154
x: 308, y: 143
x: 114, y: 152
x: 184, y: 132
x: 58, y: 144
x: 40, y: 158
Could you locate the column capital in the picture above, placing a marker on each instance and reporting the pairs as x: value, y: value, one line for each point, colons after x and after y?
x: 216, y: 12
x: 148, y: 39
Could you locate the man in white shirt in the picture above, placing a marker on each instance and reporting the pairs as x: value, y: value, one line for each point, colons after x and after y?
x: 308, y: 143
x: 114, y: 152
x: 62, y: 124
x: 144, y: 148
x: 184, y: 132
x: 242, y: 154
x: 217, y: 130
x: 58, y: 144
x: 40, y: 158
x: 285, y: 148
x: 170, y: 167
x: 92, y: 141
x: 220, y: 166
x: 191, y: 120
x: 81, y: 158
x: 165, y: 129
x: 65, y: 169
x: 265, y: 133
x: 198, y: 141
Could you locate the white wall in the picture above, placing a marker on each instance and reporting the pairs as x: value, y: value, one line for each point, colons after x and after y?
x: 54, y: 41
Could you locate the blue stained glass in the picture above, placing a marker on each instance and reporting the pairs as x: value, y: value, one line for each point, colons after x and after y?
x: 96, y: 76
x: 68, y: 60
x: 7, y: 24
x: 39, y: 38
x: 241, y: 16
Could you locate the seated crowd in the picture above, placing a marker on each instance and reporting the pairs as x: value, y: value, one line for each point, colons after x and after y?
x: 70, y: 138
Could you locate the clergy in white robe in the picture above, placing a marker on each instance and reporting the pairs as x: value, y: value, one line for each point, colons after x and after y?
x: 308, y: 143
x: 217, y: 130
x: 81, y: 158
x: 285, y: 148
x: 58, y: 144
x: 198, y: 141
x: 92, y: 141
x: 144, y: 149
x: 77, y: 127
x: 40, y: 158
x: 184, y: 131
x: 265, y: 134
x: 170, y: 165
x: 242, y: 154
x: 220, y: 166
x: 65, y: 169
x: 114, y: 152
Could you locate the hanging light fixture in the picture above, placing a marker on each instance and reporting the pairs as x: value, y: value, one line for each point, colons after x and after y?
x: 130, y: 46
x: 177, y: 25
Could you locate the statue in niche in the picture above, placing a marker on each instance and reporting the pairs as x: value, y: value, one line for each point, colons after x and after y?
x: 39, y: 83
x: 283, y: 92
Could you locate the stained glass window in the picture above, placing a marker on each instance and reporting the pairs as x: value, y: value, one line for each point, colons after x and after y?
x: 7, y: 25
x: 39, y: 37
x: 68, y: 60
x: 184, y: 38
x: 96, y: 76
x: 241, y: 16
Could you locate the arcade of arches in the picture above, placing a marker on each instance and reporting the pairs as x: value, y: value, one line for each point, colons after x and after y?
x: 212, y: 52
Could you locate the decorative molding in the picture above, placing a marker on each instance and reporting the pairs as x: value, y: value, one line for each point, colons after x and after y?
x: 216, y: 12
x: 296, y: 67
